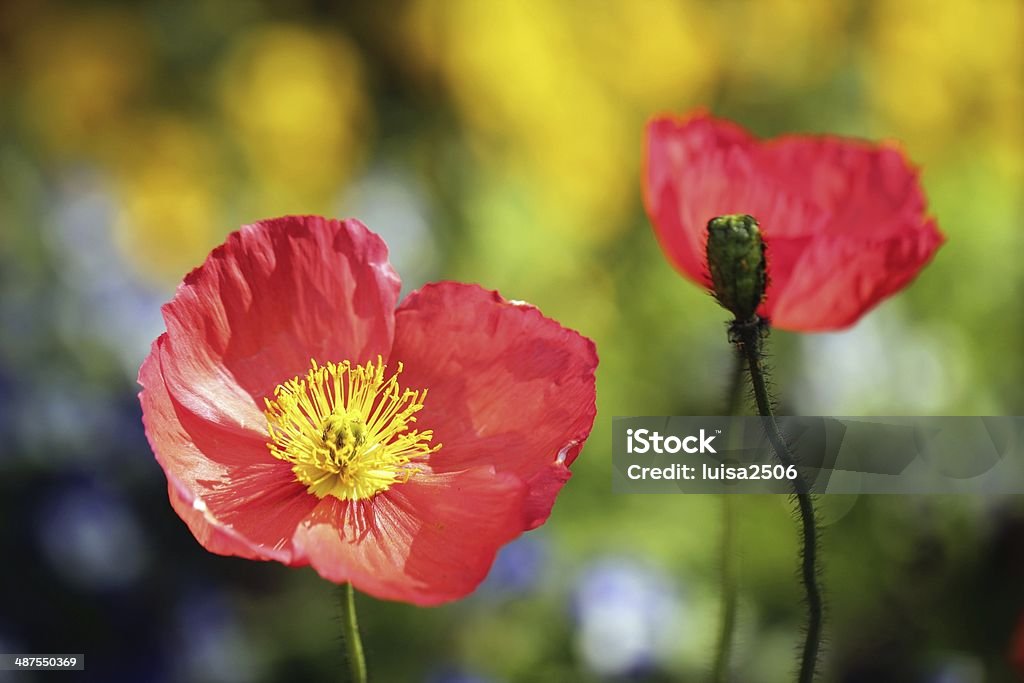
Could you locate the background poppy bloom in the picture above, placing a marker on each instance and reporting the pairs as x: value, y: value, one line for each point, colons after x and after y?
x: 300, y: 417
x: 844, y: 220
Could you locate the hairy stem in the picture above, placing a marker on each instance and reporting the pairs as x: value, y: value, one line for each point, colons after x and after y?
x: 734, y: 399
x: 750, y: 336
x: 353, y: 643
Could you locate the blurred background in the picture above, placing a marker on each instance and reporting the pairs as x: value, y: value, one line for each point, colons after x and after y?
x: 497, y: 142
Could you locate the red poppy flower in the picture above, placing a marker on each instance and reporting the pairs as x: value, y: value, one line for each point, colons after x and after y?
x: 844, y: 220
x: 300, y: 417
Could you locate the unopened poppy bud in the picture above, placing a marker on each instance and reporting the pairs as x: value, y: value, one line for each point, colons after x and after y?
x: 737, y: 264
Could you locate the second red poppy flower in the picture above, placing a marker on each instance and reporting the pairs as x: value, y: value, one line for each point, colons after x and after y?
x: 844, y: 221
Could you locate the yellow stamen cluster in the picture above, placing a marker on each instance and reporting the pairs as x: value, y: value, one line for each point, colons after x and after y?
x: 345, y: 429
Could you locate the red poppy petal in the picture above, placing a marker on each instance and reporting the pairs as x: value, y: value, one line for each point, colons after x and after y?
x: 275, y: 295
x: 672, y: 147
x: 235, y: 497
x: 866, y: 188
x: 427, y: 541
x: 544, y: 486
x: 506, y: 386
x: 837, y: 280
x: 844, y: 220
x: 701, y: 168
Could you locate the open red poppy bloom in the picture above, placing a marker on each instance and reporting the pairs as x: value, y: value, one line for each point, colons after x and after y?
x: 844, y: 221
x: 300, y: 417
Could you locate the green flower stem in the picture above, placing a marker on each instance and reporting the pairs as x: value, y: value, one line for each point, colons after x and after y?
x: 729, y: 559
x: 734, y: 399
x: 749, y: 336
x: 730, y: 590
x: 353, y: 643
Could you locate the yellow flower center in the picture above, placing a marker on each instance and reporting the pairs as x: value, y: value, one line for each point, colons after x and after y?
x: 345, y: 429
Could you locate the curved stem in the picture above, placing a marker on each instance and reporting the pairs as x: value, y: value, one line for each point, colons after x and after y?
x: 749, y: 337
x: 734, y: 399
x: 730, y: 590
x: 353, y: 643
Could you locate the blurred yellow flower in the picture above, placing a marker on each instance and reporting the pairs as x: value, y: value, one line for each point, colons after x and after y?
x: 942, y: 75
x: 767, y: 44
x: 294, y: 102
x: 168, y: 182
x: 82, y: 72
x: 557, y: 93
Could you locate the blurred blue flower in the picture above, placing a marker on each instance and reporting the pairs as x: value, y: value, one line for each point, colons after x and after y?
x: 626, y: 616
x: 8, y: 646
x: 91, y: 539
x: 961, y: 669
x: 210, y: 641
x: 517, y: 567
x: 455, y: 675
x: 882, y: 366
x: 393, y: 203
x: 57, y: 423
x: 106, y: 299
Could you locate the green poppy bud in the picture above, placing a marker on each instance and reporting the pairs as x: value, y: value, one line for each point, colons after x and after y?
x: 737, y: 264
